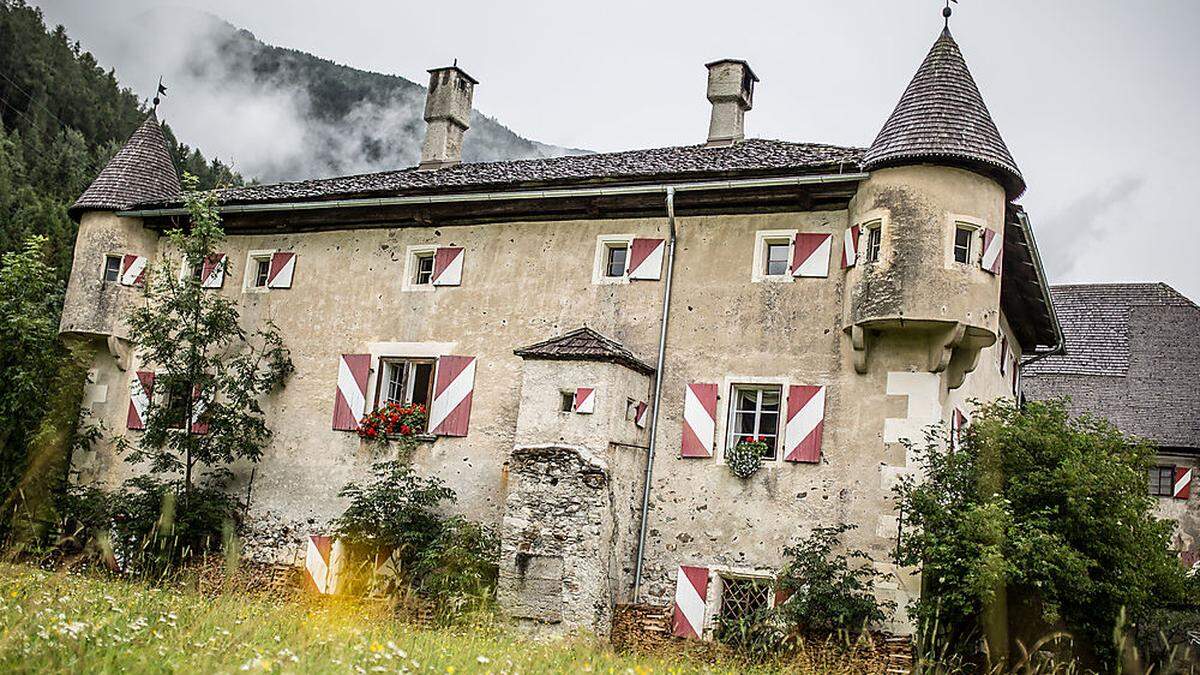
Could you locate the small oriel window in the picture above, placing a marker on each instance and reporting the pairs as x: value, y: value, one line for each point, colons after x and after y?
x: 1162, y: 481
x: 962, y: 243
x: 615, y: 256
x: 405, y: 382
x: 567, y: 401
x: 874, y: 237
x: 777, y: 258
x: 424, y: 273
x: 754, y: 413
x: 112, y: 267
x: 262, y: 269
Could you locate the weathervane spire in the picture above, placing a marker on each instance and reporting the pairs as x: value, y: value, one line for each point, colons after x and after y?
x: 162, y: 91
x: 946, y: 14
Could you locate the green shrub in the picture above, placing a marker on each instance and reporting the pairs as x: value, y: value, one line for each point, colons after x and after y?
x: 830, y: 591
x: 758, y: 636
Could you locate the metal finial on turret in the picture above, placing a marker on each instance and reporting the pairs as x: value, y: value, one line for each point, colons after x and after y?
x: 946, y: 12
x: 162, y: 91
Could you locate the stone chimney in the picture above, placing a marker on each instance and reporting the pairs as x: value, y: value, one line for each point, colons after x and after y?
x: 731, y: 92
x: 448, y: 114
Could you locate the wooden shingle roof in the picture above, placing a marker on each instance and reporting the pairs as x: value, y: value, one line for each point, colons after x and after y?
x: 142, y: 170
x: 942, y: 117
x: 584, y: 344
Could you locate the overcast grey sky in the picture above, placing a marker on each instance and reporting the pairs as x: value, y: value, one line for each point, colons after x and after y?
x: 1097, y: 99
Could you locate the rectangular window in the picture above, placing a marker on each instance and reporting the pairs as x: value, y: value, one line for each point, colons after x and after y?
x: 176, y: 404
x: 754, y: 413
x: 874, y: 237
x: 1162, y: 481
x: 743, y: 598
x: 112, y: 267
x: 424, y: 273
x: 777, y: 258
x: 262, y: 269
x: 962, y: 244
x: 567, y: 402
x: 405, y: 382
x: 615, y: 256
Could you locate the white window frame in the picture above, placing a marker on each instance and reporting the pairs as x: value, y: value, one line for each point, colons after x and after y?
x: 252, y: 257
x: 864, y: 232
x: 725, y: 404
x: 603, y: 243
x: 104, y: 267
x: 411, y: 255
x: 763, y: 237
x: 955, y: 221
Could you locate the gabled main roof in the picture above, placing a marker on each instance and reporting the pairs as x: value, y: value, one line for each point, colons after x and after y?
x: 942, y: 117
x: 142, y: 170
x: 584, y: 344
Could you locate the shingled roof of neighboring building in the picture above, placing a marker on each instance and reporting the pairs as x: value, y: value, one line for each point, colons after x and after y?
x: 942, y: 116
x: 584, y: 344
x: 142, y: 170
x: 1132, y: 357
x: 753, y: 157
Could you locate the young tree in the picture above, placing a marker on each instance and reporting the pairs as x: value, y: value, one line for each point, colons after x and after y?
x: 1048, y: 511
x: 209, y: 372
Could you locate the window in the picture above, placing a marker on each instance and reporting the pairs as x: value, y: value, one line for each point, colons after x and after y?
x: 567, y: 402
x: 755, y: 413
x: 176, y: 404
x: 630, y: 410
x: 777, y: 258
x: 261, y: 268
x: 744, y: 597
x: 1162, y: 481
x: 405, y: 381
x: 424, y: 271
x: 962, y: 243
x: 614, y: 260
x: 112, y: 267
x: 874, y: 236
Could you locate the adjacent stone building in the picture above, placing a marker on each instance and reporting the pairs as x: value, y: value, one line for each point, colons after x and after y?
x: 593, y: 333
x: 1133, y: 359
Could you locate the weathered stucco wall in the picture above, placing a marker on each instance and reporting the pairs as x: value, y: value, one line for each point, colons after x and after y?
x: 92, y: 305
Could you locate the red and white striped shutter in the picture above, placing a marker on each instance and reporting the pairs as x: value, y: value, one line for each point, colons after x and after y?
x: 281, y: 270
x: 645, y: 259
x: 133, y: 270
x: 782, y: 595
x: 850, y: 247
x: 1183, y: 483
x: 317, y: 566
x: 639, y: 414
x: 691, y: 596
x: 810, y: 254
x: 699, y: 420
x: 805, y: 423
x: 448, y: 266
x: 350, y: 399
x: 140, y: 390
x: 453, y: 388
x: 212, y: 271
x: 585, y: 400
x: 199, y: 405
x: 958, y: 421
x: 993, y: 251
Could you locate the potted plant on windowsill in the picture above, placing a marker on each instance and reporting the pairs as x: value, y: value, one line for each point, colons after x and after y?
x: 746, y: 458
x: 394, y: 422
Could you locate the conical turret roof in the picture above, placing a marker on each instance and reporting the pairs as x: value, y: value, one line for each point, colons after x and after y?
x: 942, y: 117
x: 142, y: 170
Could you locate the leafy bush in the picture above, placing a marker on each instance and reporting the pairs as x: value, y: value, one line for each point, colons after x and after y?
x: 394, y: 516
x: 828, y: 591
x: 1165, y: 637
x: 757, y: 636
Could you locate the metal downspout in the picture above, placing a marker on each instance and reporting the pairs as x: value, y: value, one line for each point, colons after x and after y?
x: 658, y: 378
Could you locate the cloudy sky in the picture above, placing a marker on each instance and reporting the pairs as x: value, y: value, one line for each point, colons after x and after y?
x: 1097, y: 99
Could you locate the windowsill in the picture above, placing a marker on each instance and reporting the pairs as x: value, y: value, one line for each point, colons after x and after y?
x: 419, y: 288
x: 612, y: 280
x: 773, y: 278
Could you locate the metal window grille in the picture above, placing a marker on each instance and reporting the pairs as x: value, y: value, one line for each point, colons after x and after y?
x: 742, y: 597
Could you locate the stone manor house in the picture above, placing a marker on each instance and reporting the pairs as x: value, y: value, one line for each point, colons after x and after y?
x: 593, y: 333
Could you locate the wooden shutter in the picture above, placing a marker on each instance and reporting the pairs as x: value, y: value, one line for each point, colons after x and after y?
x: 133, y: 270
x: 639, y: 414
x: 141, y: 388
x: 453, y: 389
x: 958, y: 422
x: 850, y: 247
x: 645, y: 259
x: 1183, y: 483
x: 448, y: 266
x: 691, y: 596
x: 805, y: 423
x: 810, y: 254
x: 350, y: 398
x: 993, y: 251
x: 212, y: 271
x: 699, y: 420
x: 281, y: 270
x: 585, y: 400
